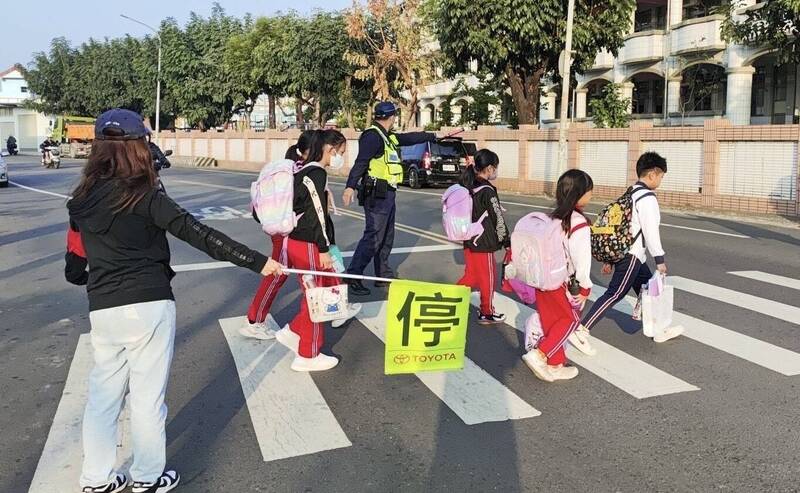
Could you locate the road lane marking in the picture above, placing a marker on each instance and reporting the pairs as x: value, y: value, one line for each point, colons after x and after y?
x: 38, y: 190
x: 59, y: 467
x: 289, y: 414
x: 472, y: 394
x: 627, y: 373
x: 533, y: 206
x: 764, y: 306
x: 786, y: 282
x: 407, y: 229
x: 352, y: 214
x: 544, y: 207
x: 395, y: 251
x: 756, y: 351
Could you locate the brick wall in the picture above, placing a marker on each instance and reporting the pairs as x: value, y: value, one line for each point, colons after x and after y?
x: 739, y: 169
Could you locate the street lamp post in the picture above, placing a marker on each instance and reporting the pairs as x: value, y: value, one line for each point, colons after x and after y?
x: 565, y: 81
x: 158, y: 72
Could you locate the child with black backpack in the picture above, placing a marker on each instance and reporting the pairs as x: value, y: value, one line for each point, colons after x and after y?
x: 621, y: 237
x: 559, y: 305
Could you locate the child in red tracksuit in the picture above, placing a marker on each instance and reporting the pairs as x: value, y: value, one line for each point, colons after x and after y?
x: 308, y: 246
x: 259, y: 324
x: 481, y: 267
x: 559, y: 310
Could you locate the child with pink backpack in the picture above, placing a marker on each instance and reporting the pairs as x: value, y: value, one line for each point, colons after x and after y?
x: 553, y: 253
x: 472, y: 214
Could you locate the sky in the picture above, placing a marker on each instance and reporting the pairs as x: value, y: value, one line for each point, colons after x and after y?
x: 33, y: 23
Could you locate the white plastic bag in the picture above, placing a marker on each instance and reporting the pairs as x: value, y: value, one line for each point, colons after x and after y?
x: 533, y: 332
x: 656, y: 309
x: 326, y: 304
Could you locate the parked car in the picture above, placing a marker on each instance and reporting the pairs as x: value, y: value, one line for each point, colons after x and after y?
x: 436, y: 163
x: 3, y: 173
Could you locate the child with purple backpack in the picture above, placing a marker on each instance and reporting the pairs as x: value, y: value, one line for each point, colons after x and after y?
x: 491, y: 233
x: 559, y: 307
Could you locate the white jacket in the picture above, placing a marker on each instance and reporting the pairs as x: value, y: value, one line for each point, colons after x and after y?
x: 579, y: 244
x: 647, y: 221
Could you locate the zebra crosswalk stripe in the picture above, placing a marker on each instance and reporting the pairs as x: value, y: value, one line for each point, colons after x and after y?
x: 764, y: 306
x: 786, y: 282
x: 59, y: 466
x: 290, y: 416
x: 472, y: 394
x: 632, y: 375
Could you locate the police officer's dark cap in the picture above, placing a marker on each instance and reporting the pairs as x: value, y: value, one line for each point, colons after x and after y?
x: 385, y: 109
x: 120, y: 124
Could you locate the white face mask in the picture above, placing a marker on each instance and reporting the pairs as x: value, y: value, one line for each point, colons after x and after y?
x: 337, y: 161
x: 493, y: 176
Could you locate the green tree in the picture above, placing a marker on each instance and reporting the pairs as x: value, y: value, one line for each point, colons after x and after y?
x: 773, y: 23
x: 389, y: 49
x: 610, y: 110
x: 523, y: 40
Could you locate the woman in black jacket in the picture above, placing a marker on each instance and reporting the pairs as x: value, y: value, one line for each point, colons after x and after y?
x: 481, y: 269
x: 119, y: 218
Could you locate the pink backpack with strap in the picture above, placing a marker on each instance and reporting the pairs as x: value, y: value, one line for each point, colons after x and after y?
x: 272, y: 197
x: 540, y: 257
x: 457, y: 214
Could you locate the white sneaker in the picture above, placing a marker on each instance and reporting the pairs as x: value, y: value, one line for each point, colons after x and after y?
x: 580, y: 341
x: 537, y: 362
x: 320, y: 362
x: 288, y: 338
x: 263, y: 331
x: 669, y: 333
x: 352, y: 311
x: 167, y: 482
x: 562, y: 372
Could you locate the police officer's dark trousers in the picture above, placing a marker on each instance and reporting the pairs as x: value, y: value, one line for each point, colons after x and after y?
x: 376, y: 244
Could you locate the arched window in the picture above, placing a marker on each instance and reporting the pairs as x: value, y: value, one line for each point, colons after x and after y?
x: 703, y: 89
x: 648, y: 94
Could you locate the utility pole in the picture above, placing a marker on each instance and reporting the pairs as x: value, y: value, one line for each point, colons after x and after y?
x: 158, y: 72
x: 564, y: 70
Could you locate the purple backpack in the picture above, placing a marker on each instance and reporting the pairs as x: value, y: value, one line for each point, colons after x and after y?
x: 457, y: 214
x: 540, y: 256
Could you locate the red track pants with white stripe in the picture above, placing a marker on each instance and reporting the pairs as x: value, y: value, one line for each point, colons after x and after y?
x: 558, y: 320
x: 305, y: 256
x: 480, y: 273
x: 269, y: 287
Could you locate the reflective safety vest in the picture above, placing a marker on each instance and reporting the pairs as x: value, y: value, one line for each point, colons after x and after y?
x: 388, y: 165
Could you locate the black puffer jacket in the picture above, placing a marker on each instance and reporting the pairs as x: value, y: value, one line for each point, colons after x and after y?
x: 496, y: 235
x: 127, y: 252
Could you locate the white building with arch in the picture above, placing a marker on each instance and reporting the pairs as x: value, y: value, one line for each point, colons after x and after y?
x: 676, y: 69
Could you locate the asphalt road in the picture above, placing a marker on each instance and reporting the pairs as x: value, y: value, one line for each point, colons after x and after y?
x: 714, y: 411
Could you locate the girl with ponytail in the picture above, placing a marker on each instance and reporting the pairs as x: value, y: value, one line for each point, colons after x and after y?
x: 481, y: 267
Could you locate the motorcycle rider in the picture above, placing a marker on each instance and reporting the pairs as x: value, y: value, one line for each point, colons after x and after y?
x: 48, y: 142
x: 11, y: 145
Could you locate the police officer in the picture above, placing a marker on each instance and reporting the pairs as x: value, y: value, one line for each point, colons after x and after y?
x: 376, y: 174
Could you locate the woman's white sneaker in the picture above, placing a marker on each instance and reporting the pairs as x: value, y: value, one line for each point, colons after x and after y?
x: 669, y: 333
x: 167, y: 482
x: 352, y: 310
x: 537, y: 362
x: 562, y: 372
x: 580, y: 341
x: 288, y: 338
x: 263, y: 331
x: 120, y: 483
x: 320, y: 362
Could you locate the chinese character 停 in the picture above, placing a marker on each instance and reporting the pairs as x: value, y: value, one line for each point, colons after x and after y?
x: 434, y: 314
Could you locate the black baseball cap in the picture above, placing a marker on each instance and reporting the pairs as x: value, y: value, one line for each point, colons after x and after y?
x: 120, y: 124
x: 385, y: 109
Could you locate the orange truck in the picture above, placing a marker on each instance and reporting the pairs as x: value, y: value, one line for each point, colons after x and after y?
x: 75, y: 134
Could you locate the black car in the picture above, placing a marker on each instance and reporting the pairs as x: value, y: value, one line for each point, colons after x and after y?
x: 436, y: 163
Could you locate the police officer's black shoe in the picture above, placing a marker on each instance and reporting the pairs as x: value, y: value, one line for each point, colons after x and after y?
x: 357, y: 288
x: 383, y: 284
